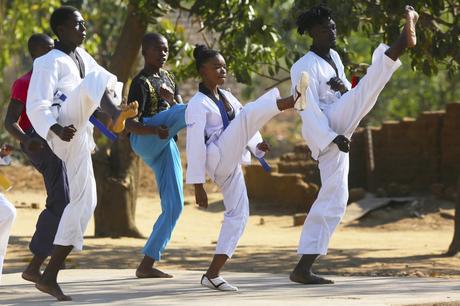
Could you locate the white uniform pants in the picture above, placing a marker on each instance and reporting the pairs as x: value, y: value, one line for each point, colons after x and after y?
x: 344, y: 116
x: 228, y: 174
x: 76, y: 155
x: 7, y: 215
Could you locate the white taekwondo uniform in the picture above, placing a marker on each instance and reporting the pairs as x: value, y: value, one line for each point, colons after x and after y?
x: 7, y: 215
x: 327, y: 115
x: 220, y: 153
x: 55, y: 74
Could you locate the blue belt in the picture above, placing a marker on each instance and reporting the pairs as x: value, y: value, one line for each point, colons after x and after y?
x: 226, y: 122
x: 98, y: 124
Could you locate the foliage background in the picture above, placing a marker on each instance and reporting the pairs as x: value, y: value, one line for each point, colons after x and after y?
x: 260, y: 43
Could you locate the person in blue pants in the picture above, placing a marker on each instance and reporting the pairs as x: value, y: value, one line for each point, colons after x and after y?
x: 153, y: 133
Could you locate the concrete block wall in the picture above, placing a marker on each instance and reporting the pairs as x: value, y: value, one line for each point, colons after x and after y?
x: 412, y: 152
x: 450, y: 144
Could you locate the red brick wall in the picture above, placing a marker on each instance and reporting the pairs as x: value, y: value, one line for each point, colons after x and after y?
x: 414, y: 153
x: 450, y: 144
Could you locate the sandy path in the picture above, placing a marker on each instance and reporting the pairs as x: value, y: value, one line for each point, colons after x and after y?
x: 396, y: 249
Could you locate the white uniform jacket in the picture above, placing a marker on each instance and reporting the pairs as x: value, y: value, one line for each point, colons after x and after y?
x: 54, y: 73
x: 316, y: 128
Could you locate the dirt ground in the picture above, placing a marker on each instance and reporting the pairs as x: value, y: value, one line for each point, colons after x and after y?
x: 392, y: 241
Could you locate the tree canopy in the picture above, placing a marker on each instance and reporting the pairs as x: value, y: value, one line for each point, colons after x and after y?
x: 257, y: 38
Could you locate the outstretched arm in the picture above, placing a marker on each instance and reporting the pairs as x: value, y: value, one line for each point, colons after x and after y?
x: 195, y: 117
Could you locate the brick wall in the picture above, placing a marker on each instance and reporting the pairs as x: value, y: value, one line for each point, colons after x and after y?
x: 414, y: 153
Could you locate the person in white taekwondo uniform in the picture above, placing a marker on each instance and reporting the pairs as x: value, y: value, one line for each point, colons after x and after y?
x: 332, y: 114
x: 220, y: 131
x: 66, y: 88
x: 7, y: 210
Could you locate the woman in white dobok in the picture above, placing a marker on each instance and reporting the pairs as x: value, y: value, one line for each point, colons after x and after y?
x: 220, y: 131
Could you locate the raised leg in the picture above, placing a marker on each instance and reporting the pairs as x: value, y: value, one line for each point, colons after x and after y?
x: 173, y: 118
x: 346, y: 113
x: 408, y: 38
x: 234, y: 139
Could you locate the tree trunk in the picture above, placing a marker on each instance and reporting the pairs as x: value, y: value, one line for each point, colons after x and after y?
x: 117, y: 169
x: 454, y: 247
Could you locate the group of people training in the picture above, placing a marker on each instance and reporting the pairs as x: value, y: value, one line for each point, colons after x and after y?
x: 51, y: 106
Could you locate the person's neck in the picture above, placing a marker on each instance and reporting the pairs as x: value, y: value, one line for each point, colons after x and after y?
x: 67, y: 46
x: 149, y: 69
x: 213, y: 88
x: 321, y: 50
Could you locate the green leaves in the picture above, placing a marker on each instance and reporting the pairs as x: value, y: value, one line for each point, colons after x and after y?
x: 257, y: 38
x: 20, y: 20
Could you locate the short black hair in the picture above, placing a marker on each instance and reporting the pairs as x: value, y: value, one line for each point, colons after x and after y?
x: 60, y: 16
x: 316, y: 15
x: 150, y: 38
x: 202, y: 54
x: 35, y: 41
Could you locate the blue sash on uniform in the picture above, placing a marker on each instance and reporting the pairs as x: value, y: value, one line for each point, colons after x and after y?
x: 98, y: 124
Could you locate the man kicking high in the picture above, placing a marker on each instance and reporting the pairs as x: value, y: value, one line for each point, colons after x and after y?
x: 66, y: 88
x: 333, y: 112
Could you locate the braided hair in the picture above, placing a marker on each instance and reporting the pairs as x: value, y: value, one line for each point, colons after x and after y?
x: 314, y: 16
x: 202, y: 54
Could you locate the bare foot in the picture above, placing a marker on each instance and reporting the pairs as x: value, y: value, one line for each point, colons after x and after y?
x: 152, y: 273
x: 52, y: 289
x: 127, y: 111
x: 409, y: 28
x: 30, y: 276
x: 309, y: 279
x: 301, y: 91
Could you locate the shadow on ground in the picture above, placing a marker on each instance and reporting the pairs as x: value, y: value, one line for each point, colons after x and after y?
x: 265, y: 260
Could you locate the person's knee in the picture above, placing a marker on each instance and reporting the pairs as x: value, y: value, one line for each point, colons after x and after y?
x: 342, y: 198
x: 246, y: 215
x: 238, y: 215
x: 316, y: 216
x: 177, y: 211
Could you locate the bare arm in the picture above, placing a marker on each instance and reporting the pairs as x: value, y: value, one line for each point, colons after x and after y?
x: 138, y: 128
x: 13, y: 113
x: 201, y: 198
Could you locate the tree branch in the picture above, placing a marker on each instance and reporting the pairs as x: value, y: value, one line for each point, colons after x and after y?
x: 279, y: 82
x: 177, y: 20
x: 277, y: 66
x: 264, y: 75
x: 436, y: 19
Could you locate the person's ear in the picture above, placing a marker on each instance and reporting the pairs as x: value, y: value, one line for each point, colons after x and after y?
x: 59, y: 30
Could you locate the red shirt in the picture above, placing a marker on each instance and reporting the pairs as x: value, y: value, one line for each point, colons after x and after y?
x: 19, y: 93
